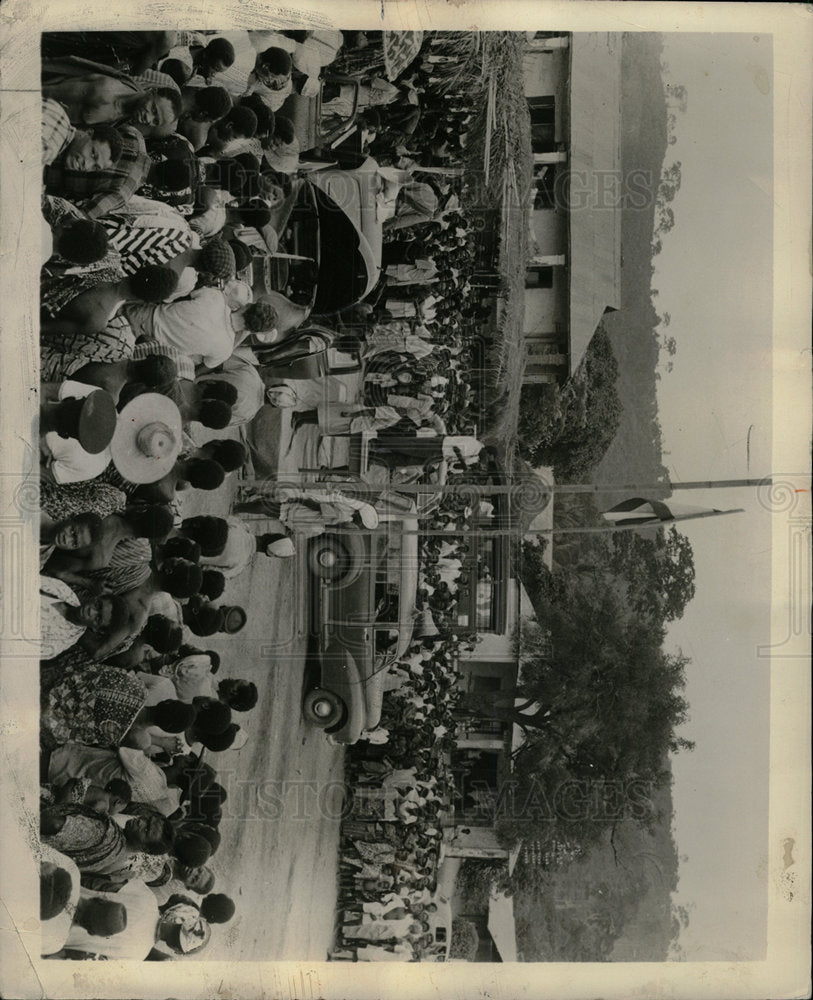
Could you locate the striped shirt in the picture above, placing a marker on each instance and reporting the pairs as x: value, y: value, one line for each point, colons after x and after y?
x: 57, y: 131
x: 139, y: 246
x: 129, y: 566
x: 61, y: 355
x: 148, y: 348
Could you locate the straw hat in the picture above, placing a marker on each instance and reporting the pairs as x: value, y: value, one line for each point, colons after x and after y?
x: 147, y: 440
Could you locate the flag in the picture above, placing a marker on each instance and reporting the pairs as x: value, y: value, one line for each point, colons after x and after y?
x: 637, y: 510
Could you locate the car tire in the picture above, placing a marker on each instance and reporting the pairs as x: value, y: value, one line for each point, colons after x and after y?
x: 328, y: 559
x: 322, y: 708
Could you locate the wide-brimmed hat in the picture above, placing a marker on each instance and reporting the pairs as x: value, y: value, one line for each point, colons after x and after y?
x: 147, y: 440
x: 95, y: 419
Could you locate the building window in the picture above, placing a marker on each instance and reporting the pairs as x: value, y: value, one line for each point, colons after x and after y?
x: 485, y: 683
x: 543, y: 124
x: 542, y: 109
x: 539, y: 277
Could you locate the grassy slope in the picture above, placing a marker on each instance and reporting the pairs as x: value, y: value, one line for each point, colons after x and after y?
x: 635, y: 453
x: 510, y: 171
x: 576, y: 916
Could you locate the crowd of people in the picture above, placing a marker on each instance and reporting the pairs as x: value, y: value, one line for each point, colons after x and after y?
x: 391, y: 841
x: 168, y: 169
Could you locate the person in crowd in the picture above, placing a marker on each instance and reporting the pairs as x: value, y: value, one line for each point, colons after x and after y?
x: 204, y: 618
x: 92, y: 309
x: 65, y: 621
x: 185, y: 474
x: 95, y: 94
x: 100, y: 844
x: 99, y: 171
x: 112, y: 546
x: 202, y: 108
x: 203, y: 327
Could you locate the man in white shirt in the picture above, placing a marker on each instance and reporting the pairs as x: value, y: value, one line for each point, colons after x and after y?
x: 201, y: 327
x: 131, y: 942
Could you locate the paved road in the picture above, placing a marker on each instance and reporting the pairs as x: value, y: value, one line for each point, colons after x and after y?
x: 278, y: 857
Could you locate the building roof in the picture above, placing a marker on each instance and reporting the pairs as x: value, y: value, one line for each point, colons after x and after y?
x: 501, y: 926
x: 596, y: 184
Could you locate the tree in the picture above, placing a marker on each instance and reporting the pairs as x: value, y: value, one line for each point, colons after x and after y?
x: 658, y: 572
x: 572, y: 427
x: 598, y: 701
x: 532, y: 568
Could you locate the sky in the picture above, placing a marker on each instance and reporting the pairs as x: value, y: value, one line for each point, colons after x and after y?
x: 714, y: 276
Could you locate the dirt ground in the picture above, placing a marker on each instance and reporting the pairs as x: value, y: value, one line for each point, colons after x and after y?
x: 280, y: 829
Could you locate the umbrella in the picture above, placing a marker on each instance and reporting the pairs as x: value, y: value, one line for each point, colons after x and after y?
x: 400, y: 48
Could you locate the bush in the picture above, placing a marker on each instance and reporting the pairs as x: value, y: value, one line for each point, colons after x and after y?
x: 465, y: 940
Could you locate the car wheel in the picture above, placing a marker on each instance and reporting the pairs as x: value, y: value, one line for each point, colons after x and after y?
x: 322, y: 709
x: 328, y: 559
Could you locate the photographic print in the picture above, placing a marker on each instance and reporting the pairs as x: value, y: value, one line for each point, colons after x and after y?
x: 399, y: 434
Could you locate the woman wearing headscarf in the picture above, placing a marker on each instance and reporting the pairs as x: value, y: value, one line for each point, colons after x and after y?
x: 148, y: 782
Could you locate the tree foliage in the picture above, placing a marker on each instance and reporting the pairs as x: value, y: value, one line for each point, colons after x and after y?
x: 598, y: 701
x: 659, y: 572
x: 571, y: 427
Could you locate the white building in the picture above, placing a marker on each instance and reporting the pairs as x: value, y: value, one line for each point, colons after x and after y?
x: 573, y: 86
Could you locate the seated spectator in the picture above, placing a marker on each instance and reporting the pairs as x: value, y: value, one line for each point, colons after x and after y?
x: 93, y: 309
x: 192, y: 473
x: 94, y: 94
x: 282, y: 150
x: 114, y: 550
x: 65, y: 621
x: 238, y: 125
x: 202, y: 108
x: 99, y: 180
x: 155, y: 372
x: 202, y: 327
x: 204, y: 619
x: 128, y: 51
x: 101, y: 844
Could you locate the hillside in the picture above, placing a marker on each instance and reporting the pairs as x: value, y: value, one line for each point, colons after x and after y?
x: 635, y: 453
x: 613, y: 905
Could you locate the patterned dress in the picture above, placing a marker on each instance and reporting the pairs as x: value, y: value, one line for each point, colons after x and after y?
x: 93, y: 841
x: 58, y: 288
x: 93, y: 704
x: 63, y: 500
